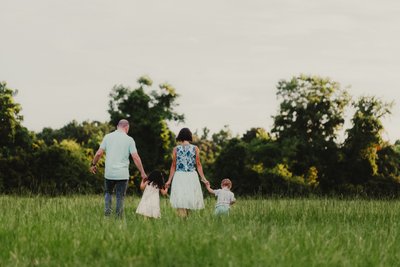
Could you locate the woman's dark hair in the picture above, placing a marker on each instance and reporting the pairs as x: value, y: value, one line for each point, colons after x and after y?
x: 156, y: 178
x: 184, y: 135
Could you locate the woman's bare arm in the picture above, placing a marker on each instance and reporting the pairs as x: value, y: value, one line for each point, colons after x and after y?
x: 172, y: 169
x: 199, y: 166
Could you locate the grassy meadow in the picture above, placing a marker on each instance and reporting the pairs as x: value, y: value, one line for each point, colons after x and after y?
x: 72, y: 231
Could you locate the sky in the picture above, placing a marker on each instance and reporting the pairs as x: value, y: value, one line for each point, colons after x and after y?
x: 224, y: 57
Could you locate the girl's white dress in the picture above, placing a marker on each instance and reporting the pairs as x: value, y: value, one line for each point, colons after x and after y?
x: 149, y: 205
x: 185, y: 188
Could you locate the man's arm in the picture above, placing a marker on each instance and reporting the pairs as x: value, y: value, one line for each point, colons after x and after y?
x: 143, y: 184
x: 139, y: 165
x: 96, y: 159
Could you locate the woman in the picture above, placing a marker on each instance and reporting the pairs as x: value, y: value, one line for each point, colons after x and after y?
x: 186, y: 191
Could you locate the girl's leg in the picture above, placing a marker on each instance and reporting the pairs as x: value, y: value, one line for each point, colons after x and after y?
x: 182, y: 212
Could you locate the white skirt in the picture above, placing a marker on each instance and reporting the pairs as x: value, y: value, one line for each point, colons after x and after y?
x: 186, y: 191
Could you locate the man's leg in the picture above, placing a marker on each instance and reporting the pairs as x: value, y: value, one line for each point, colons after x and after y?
x: 108, y: 186
x: 120, y: 190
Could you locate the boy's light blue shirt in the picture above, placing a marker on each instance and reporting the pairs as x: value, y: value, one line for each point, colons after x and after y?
x: 118, y: 147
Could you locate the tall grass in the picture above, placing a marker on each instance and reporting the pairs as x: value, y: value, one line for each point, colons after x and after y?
x: 72, y: 231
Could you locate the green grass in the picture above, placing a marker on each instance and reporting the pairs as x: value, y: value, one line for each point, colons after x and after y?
x: 71, y: 231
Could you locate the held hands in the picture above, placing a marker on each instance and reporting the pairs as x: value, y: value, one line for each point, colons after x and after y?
x: 204, y: 180
x: 93, y: 169
x: 167, y: 184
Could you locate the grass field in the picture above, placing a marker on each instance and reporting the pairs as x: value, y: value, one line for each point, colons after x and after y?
x: 71, y: 231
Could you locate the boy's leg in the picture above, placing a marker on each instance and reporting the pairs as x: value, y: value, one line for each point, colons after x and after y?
x: 120, y: 191
x: 108, y: 186
x: 221, y: 210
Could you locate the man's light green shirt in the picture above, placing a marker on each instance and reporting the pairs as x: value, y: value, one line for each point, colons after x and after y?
x: 118, y: 147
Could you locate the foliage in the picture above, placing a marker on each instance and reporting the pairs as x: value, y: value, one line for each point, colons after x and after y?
x: 63, y: 168
x: 263, y: 149
x: 311, y: 113
x: 210, y: 148
x: 10, y: 118
x: 16, y: 172
x: 148, y: 114
x: 88, y: 133
x: 12, y: 134
x: 233, y: 162
x: 15, y: 142
x: 364, y: 139
x: 301, y: 155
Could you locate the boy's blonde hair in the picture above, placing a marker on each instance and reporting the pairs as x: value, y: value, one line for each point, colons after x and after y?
x: 226, y: 183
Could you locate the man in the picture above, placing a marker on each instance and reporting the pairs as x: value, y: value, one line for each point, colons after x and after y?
x: 118, y: 145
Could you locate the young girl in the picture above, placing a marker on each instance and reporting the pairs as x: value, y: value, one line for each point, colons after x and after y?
x: 225, y: 198
x: 149, y: 205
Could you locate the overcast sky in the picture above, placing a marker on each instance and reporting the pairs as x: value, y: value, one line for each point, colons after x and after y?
x: 224, y: 57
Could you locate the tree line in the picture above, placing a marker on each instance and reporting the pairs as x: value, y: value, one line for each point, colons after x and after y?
x: 302, y: 154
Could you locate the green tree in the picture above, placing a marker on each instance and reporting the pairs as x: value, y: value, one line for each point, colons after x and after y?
x: 15, y: 140
x: 233, y: 162
x: 263, y: 149
x: 389, y: 163
x: 10, y: 118
x: 148, y: 114
x: 364, y: 139
x: 209, y: 151
x: 311, y: 113
x: 88, y: 133
x: 62, y: 168
x: 222, y: 137
x: 210, y: 148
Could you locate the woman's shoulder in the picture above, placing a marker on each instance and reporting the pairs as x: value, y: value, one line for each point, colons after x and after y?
x: 182, y: 146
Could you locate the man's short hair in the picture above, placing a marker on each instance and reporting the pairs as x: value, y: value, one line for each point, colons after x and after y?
x: 123, y: 123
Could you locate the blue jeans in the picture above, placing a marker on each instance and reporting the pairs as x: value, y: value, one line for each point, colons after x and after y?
x: 120, y: 190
